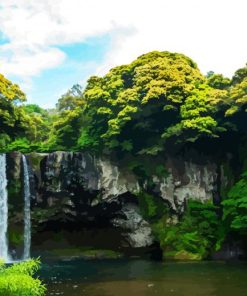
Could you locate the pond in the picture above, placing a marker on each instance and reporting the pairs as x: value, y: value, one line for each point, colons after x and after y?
x: 144, y: 278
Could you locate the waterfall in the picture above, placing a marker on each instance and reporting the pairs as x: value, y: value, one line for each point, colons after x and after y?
x: 27, y: 213
x: 3, y: 209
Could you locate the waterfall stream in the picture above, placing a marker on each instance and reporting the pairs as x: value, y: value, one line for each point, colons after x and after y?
x: 27, y: 213
x: 3, y: 209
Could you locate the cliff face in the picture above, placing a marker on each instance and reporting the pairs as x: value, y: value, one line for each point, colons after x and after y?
x: 97, y: 199
x: 67, y: 174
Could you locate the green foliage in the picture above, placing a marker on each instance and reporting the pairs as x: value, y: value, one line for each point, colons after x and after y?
x: 159, y: 100
x: 71, y: 99
x: 146, y: 169
x: 238, y: 93
x: 125, y: 100
x: 228, y: 181
x: 33, y: 108
x: 11, y: 115
x: 22, y: 127
x: 218, y: 81
x: 152, y: 207
x: 235, y: 206
x: 67, y: 122
x: 16, y: 238
x: 66, y: 128
x: 19, y: 280
x: 159, y: 103
x: 197, y: 233
x: 160, y: 97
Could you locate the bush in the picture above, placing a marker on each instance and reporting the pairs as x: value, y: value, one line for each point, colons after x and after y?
x: 18, y: 279
x: 235, y: 206
x: 196, y: 234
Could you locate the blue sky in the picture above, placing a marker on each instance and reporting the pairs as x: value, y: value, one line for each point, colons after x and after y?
x: 82, y: 59
x: 47, y: 46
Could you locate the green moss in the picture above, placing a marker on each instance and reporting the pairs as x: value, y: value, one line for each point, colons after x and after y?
x: 35, y: 159
x: 152, y: 207
x: 15, y: 217
x: 86, y: 253
x: 39, y: 215
x: 182, y: 255
x: 145, y: 169
x: 15, y: 195
x: 228, y: 173
x: 161, y: 171
x: 15, y: 235
x: 101, y: 254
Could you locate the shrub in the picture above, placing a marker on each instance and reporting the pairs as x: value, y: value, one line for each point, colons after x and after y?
x: 18, y: 279
x: 235, y: 206
x: 196, y: 234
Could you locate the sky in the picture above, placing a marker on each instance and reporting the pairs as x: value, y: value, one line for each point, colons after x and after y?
x: 47, y: 46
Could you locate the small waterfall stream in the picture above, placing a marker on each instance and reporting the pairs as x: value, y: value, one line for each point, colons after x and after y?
x: 27, y: 213
x: 3, y: 209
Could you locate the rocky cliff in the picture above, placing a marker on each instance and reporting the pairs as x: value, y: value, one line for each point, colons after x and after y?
x: 78, y: 199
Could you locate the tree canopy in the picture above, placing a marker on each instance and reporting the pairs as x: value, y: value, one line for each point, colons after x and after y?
x: 142, y: 108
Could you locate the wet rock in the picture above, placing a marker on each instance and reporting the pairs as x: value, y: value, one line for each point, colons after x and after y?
x: 137, y: 231
x: 187, y: 180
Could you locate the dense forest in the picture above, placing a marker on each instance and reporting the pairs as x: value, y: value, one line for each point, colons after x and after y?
x: 160, y: 99
x: 160, y: 103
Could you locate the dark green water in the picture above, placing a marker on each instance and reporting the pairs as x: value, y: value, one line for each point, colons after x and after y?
x: 144, y: 278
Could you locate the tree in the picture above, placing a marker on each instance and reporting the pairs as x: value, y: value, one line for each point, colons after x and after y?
x: 218, y: 81
x: 11, y: 114
x: 71, y: 99
x: 159, y: 96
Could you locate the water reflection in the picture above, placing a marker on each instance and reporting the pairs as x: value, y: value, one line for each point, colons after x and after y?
x: 144, y: 278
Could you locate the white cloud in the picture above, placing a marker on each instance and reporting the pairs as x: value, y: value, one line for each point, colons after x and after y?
x: 27, y: 61
x: 212, y: 32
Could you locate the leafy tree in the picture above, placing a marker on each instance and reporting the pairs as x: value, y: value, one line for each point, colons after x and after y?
x: 149, y: 101
x: 238, y: 93
x: 71, y: 99
x: 11, y: 115
x: 239, y: 75
x: 67, y: 121
x: 65, y: 131
x: 218, y: 81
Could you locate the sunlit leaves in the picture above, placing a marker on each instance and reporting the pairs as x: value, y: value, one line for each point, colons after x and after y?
x: 154, y: 83
x: 10, y: 91
x: 18, y: 279
x: 238, y: 93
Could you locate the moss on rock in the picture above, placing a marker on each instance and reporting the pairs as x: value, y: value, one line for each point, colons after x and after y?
x: 182, y: 256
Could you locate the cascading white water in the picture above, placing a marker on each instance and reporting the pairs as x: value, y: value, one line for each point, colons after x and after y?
x: 27, y: 213
x: 3, y: 209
